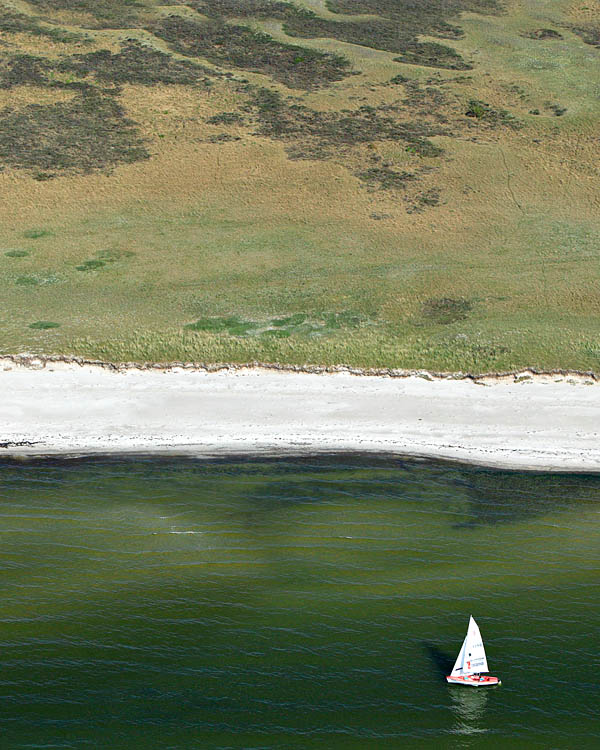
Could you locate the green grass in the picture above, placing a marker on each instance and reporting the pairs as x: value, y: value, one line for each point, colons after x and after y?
x: 300, y: 325
x: 476, y: 352
x: 392, y: 319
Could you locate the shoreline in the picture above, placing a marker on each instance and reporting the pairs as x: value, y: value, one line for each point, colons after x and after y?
x: 54, y: 406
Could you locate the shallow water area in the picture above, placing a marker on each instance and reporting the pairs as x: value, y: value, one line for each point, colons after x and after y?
x: 294, y: 603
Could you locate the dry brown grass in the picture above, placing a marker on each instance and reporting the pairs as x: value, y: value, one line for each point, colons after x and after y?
x: 24, y: 95
x: 587, y: 11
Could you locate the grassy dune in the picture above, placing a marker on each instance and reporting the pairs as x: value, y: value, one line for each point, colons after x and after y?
x: 351, y: 182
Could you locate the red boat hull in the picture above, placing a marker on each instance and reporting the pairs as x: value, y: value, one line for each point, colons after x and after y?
x: 474, y: 681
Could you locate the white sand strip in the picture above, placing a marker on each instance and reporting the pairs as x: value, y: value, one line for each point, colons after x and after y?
x: 550, y: 422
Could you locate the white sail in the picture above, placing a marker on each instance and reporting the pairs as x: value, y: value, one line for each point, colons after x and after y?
x: 458, y: 665
x: 471, y: 658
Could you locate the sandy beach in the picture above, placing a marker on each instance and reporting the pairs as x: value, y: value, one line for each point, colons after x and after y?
x: 549, y: 422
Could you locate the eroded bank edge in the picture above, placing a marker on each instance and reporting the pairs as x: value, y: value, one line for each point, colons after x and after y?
x: 31, y: 361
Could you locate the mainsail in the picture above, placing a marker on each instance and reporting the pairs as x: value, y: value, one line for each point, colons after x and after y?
x: 472, y: 657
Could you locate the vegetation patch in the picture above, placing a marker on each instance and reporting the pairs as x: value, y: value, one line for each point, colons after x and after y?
x: 589, y: 34
x: 34, y: 279
x: 422, y: 200
x: 226, y: 118
x: 22, y: 70
x: 591, y: 350
x: 484, y: 112
x: 113, y: 255
x: 556, y: 109
x: 90, y: 265
x: 543, y: 34
x: 106, y: 14
x: 90, y: 132
x: 136, y: 63
x: 290, y: 320
x: 240, y: 47
x: 43, y: 325
x: 12, y: 22
x: 445, y: 310
x: 428, y: 101
x: 17, y: 253
x: 384, y: 178
x: 232, y: 325
x: 260, y: 9
x: 322, y: 134
x: 394, y: 26
x: 36, y: 234
x: 102, y: 257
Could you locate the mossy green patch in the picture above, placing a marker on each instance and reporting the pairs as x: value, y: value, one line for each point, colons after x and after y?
x: 103, y: 257
x: 277, y: 333
x: 445, y: 310
x: 290, y: 320
x: 43, y: 325
x: 233, y: 325
x: 36, y: 234
x: 36, y: 279
x: 90, y: 265
x: 484, y: 112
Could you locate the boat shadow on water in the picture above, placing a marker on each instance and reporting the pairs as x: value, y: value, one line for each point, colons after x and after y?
x: 442, y: 661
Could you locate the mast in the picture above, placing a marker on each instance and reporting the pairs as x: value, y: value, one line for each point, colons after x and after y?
x: 471, y: 658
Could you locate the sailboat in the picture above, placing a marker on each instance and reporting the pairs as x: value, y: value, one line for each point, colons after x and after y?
x: 472, y: 661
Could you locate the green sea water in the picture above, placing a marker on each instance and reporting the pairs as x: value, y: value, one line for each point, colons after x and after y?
x: 309, y: 603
